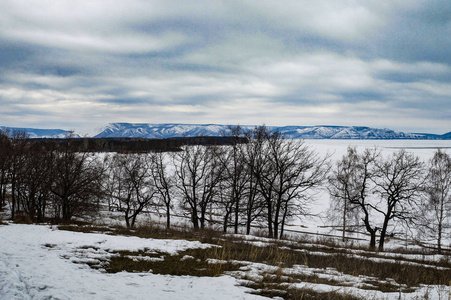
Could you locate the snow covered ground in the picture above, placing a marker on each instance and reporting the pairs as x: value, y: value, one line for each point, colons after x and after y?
x: 38, y: 262
x: 41, y: 262
x: 423, y: 148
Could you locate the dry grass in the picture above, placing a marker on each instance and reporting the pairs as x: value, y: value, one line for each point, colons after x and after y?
x: 193, y: 262
x: 272, y: 290
x: 21, y: 217
x: 386, y: 275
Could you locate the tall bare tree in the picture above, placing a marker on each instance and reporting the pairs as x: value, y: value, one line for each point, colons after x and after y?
x: 352, y: 182
x: 198, y: 175
x: 130, y: 185
x: 76, y: 184
x: 16, y: 157
x: 5, y: 161
x: 399, y: 180
x: 235, y: 177
x: 438, y: 189
x: 164, y: 182
x: 36, y: 179
x: 343, y: 190
x: 290, y: 169
x: 254, y: 204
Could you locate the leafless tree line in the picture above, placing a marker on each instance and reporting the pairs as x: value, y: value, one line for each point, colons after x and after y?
x: 52, y: 182
x: 266, y: 181
x: 400, y: 189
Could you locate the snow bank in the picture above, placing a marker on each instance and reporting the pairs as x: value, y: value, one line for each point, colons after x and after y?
x: 36, y: 263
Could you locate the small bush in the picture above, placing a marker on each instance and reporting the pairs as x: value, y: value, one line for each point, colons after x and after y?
x: 22, y: 217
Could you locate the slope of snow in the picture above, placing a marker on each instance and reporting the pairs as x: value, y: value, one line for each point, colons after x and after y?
x: 42, y: 133
x: 160, y: 130
x: 37, y: 262
x: 297, y: 132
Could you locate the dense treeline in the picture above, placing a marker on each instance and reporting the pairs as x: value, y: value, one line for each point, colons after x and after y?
x: 133, y: 145
x: 42, y: 182
x: 243, y: 179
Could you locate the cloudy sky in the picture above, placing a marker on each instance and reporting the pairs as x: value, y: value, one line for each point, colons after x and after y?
x: 82, y: 64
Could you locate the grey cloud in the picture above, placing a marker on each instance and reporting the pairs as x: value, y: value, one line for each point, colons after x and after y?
x: 89, y: 63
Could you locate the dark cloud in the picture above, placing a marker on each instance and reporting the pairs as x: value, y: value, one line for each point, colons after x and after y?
x: 124, y: 101
x: 418, y: 33
x: 13, y: 55
x: 407, y: 77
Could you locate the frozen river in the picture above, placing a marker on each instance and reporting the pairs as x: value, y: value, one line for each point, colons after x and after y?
x: 423, y: 148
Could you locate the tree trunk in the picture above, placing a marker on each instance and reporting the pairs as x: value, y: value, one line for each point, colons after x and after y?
x: 237, y: 207
x: 248, y: 220
x: 66, y: 210
x: 250, y: 208
x: 226, y: 221
x: 127, y: 218
x: 270, y: 229
x: 203, y: 212
x: 343, y: 238
x: 373, y: 240
x: 168, y: 217
x: 282, y: 226
x: 13, y: 199
x: 440, y: 228
x: 383, y: 233
x: 371, y: 231
x: 195, y: 219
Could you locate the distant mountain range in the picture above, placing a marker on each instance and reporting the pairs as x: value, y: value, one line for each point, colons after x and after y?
x: 41, y: 133
x: 163, y: 131
x: 296, y: 132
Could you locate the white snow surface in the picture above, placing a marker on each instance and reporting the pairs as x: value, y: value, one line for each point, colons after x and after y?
x: 41, y: 262
x: 37, y: 262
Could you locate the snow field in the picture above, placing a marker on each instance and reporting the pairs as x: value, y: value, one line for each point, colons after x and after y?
x: 41, y: 262
x: 37, y: 262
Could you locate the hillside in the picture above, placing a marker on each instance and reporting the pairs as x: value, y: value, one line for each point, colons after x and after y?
x: 176, y: 130
x: 153, y: 131
x: 41, y: 133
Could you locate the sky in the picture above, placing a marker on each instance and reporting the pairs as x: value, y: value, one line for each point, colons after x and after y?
x: 82, y: 64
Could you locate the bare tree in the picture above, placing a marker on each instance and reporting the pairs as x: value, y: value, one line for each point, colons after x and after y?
x: 76, y: 184
x: 36, y: 179
x: 5, y: 162
x: 290, y: 169
x: 438, y: 189
x: 198, y: 174
x: 398, y: 180
x: 254, y: 204
x: 225, y: 200
x: 353, y: 183
x: 16, y: 159
x: 130, y: 186
x: 164, y: 183
x: 235, y: 177
x: 343, y: 190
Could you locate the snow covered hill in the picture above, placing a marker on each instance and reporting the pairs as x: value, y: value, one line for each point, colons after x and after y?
x: 297, y: 132
x: 162, y: 131
x: 41, y: 133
